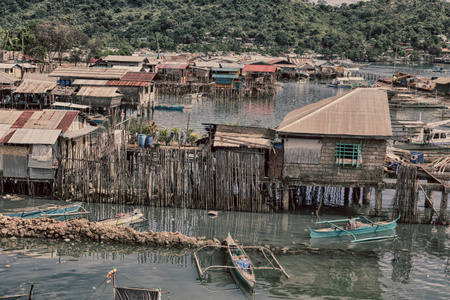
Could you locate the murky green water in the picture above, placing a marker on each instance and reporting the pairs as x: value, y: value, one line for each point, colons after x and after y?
x: 414, y: 266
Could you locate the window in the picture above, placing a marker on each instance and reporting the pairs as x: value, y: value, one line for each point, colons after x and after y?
x: 348, y: 154
x: 443, y: 136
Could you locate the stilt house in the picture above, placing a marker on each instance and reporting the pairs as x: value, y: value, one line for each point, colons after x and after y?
x: 339, y: 141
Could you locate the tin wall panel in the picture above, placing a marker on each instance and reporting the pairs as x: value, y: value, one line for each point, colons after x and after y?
x: 15, y: 166
x: 37, y: 173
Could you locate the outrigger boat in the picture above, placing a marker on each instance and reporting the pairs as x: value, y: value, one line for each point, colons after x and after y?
x: 124, y: 219
x: 47, y: 211
x: 240, y: 262
x: 170, y: 106
x: 364, y: 228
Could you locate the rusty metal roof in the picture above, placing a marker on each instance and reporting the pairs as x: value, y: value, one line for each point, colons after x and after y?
x: 89, y: 73
x: 131, y: 83
x: 35, y: 87
x: 139, y: 76
x: 37, y: 119
x: 98, y: 91
x: 361, y: 112
x: 260, y: 68
x: 173, y: 66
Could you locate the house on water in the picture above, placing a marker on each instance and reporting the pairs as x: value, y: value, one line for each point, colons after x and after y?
x: 8, y: 84
x: 33, y: 94
x: 337, y: 142
x: 259, y: 77
x: 29, y: 141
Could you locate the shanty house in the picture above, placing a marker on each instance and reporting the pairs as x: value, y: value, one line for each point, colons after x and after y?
x: 118, y: 60
x: 173, y: 72
x: 99, y: 97
x: 256, y: 75
x: 442, y: 85
x: 226, y: 78
x: 7, y: 86
x: 339, y: 141
x: 285, y: 69
x: 135, y: 87
x: 66, y: 76
x: 29, y: 141
x: 33, y: 94
x: 11, y: 69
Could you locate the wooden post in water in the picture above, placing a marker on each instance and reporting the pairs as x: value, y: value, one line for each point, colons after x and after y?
x: 443, y: 210
x: 378, y: 201
x: 366, y: 195
x: 356, y: 195
x: 285, y: 195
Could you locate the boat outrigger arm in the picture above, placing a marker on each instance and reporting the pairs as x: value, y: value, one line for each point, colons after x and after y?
x: 202, y: 271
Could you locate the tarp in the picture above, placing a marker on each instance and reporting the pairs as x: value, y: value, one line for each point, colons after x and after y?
x: 127, y: 293
x: 224, y: 80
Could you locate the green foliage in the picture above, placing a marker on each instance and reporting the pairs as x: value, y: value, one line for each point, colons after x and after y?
x: 164, y: 136
x: 192, y: 136
x: 355, y: 30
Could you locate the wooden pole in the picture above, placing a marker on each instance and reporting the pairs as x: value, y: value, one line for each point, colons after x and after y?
x: 378, y: 201
x: 443, y: 209
x: 366, y: 195
x: 285, y: 195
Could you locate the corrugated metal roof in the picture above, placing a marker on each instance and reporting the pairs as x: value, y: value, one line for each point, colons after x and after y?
x: 7, y: 79
x: 361, y: 112
x: 34, y: 136
x: 260, y: 68
x: 38, y: 119
x: 35, y: 87
x: 90, y: 82
x: 78, y: 133
x: 70, y: 105
x: 4, y: 129
x: 207, y: 64
x: 232, y: 65
x: 8, y: 66
x: 8, y: 116
x: 62, y: 90
x: 442, y: 80
x: 224, y: 76
x: 173, y: 66
x: 225, y: 70
x: 129, y: 68
x: 139, y: 76
x: 94, y: 91
x: 67, y: 120
x: 89, y: 73
x: 119, y: 58
x: 132, y: 83
x: 229, y: 139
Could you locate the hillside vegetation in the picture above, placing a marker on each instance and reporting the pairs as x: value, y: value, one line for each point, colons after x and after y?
x: 355, y: 30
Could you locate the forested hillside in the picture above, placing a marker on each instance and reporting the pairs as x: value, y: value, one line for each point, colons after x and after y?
x: 355, y: 30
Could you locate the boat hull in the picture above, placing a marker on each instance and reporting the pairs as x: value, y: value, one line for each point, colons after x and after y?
x: 243, y: 268
x: 118, y: 221
x: 335, y: 232
x: 169, y: 107
x: 47, y: 212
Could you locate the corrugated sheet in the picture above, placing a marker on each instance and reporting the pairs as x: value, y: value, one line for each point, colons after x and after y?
x: 78, y: 133
x: 442, y: 80
x: 228, y: 139
x: 139, y: 76
x: 132, y: 83
x: 361, y: 112
x: 207, y: 64
x: 62, y: 90
x: 7, y: 79
x: 15, y: 166
x: 8, y: 66
x: 34, y: 136
x: 4, y: 129
x: 38, y: 173
x: 260, y: 68
x: 90, y: 82
x: 225, y: 70
x: 70, y: 105
x: 302, y: 151
x: 22, y: 119
x: 35, y: 87
x: 89, y: 73
x: 67, y: 120
x: 232, y: 66
x: 129, y: 68
x: 93, y: 91
x: 224, y: 76
x: 119, y: 58
x: 173, y: 66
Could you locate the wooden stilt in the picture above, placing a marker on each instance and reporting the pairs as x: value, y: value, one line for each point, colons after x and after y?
x: 366, y: 195
x: 443, y: 209
x: 378, y: 201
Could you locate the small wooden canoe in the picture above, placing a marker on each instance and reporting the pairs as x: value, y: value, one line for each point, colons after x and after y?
x: 340, y: 231
x: 47, y: 211
x: 123, y: 219
x: 243, y: 266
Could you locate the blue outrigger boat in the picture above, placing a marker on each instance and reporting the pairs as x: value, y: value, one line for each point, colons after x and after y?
x: 363, y: 228
x: 169, y: 106
x: 47, y: 211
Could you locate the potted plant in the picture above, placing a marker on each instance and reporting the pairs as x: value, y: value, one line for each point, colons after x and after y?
x: 164, y: 136
x: 175, y: 135
x: 192, y: 136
